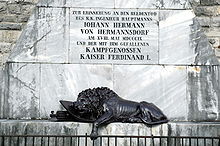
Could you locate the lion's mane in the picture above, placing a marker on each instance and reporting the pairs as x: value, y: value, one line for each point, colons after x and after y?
x: 96, y: 98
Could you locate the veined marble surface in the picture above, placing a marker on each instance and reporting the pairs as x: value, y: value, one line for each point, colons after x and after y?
x: 45, y: 38
x: 64, y: 82
x: 164, y: 86
x: 23, y: 91
x: 182, y: 93
x: 35, y: 89
x: 182, y: 40
x: 52, y: 33
x: 184, y: 79
x: 203, y: 93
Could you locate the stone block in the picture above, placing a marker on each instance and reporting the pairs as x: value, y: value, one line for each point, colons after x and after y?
x: 5, y: 47
x: 3, y: 7
x: 215, y: 21
x: 163, y: 86
x: 64, y: 82
x: 9, y: 36
x: 210, y: 2
x: 27, y: 9
x: 203, y: 93
x: 14, y: 8
x: 23, y: 91
x: 207, y: 10
x: 10, y: 26
x: 8, y: 18
x: 211, y: 31
x: 204, y: 21
x: 22, y: 18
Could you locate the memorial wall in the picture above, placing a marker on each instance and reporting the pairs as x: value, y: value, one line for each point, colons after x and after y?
x: 15, y: 14
x: 144, y: 50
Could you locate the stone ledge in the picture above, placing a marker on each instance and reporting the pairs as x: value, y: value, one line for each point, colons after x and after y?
x: 46, y: 127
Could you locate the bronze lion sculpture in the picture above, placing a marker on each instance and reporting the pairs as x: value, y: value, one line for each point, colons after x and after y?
x: 102, y: 106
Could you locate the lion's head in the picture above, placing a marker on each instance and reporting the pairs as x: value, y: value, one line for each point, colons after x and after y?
x: 90, y: 101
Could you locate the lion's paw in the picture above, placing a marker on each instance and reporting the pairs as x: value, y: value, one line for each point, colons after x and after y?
x: 93, y: 136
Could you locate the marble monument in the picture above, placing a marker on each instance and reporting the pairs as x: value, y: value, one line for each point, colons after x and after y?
x: 144, y: 50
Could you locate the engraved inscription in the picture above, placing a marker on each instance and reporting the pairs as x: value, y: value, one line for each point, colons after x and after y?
x: 114, y: 36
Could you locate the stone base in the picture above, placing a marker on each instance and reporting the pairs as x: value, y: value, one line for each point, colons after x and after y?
x: 40, y: 127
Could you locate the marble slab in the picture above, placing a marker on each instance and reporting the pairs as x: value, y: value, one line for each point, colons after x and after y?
x: 45, y: 38
x: 23, y: 91
x: 203, y: 93
x: 174, y: 27
x: 53, y: 33
x: 64, y: 82
x: 180, y: 32
x: 115, y: 36
x: 165, y: 86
